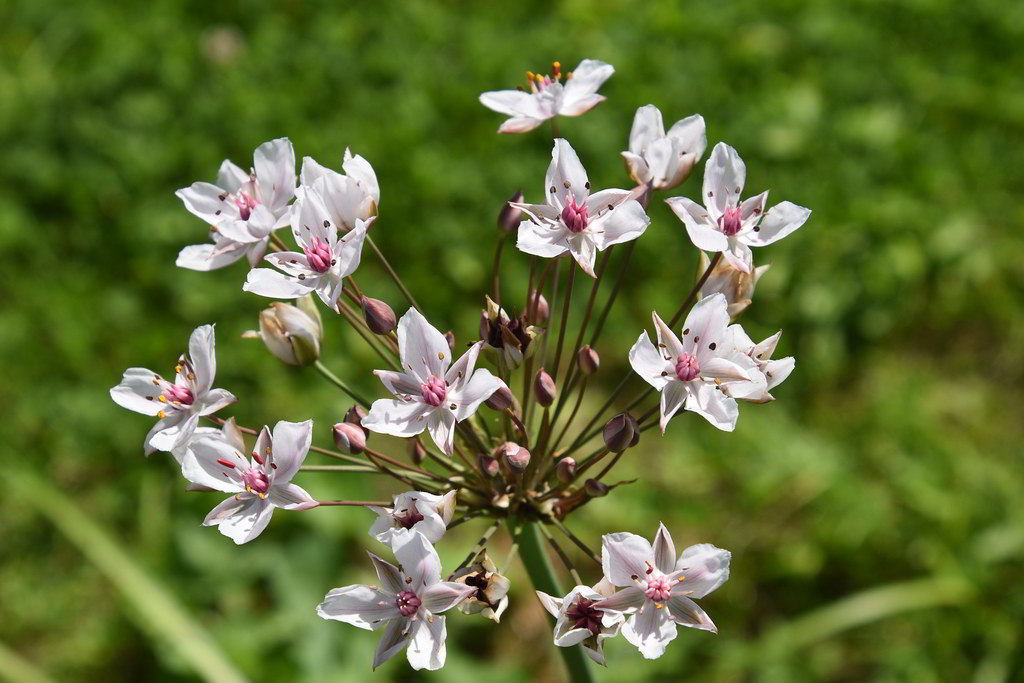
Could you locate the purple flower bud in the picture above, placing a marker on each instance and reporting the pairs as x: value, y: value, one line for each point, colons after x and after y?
x: 503, y: 399
x: 566, y: 470
x: 544, y: 389
x: 355, y: 415
x: 537, y: 310
x: 618, y: 432
x: 349, y: 438
x: 488, y: 465
x: 589, y: 360
x: 509, y: 217
x: 516, y: 457
x: 378, y: 315
x: 595, y: 488
x: 417, y: 453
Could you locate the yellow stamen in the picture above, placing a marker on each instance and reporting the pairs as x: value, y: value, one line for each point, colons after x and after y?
x: 658, y: 605
x: 440, y: 355
x: 162, y: 398
x: 161, y: 414
x: 177, y: 368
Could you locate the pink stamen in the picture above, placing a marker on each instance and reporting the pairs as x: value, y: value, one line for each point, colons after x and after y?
x: 245, y: 203
x: 731, y: 221
x: 687, y: 367
x: 434, y: 391
x: 319, y: 255
x: 658, y: 589
x: 175, y: 393
x: 225, y: 463
x: 575, y: 216
x: 255, y: 480
x: 408, y: 604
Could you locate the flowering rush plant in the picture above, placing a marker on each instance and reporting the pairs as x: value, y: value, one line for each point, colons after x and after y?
x: 492, y: 424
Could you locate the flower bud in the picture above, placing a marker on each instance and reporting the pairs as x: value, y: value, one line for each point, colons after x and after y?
x: 509, y: 217
x: 516, y: 457
x: 292, y: 333
x: 503, y: 399
x: 589, y: 360
x: 417, y: 453
x: 537, y: 309
x: 488, y: 465
x: 565, y: 470
x: 355, y: 415
x: 378, y: 315
x: 349, y: 438
x: 619, y: 432
x: 544, y: 389
x: 595, y: 488
x: 449, y: 337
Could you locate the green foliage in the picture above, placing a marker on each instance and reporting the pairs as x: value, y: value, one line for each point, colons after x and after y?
x: 874, y: 510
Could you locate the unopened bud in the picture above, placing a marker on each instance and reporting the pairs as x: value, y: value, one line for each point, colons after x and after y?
x: 589, y: 360
x: 378, y: 315
x: 449, y: 337
x: 566, y: 470
x: 544, y: 389
x: 292, y: 333
x: 503, y: 399
x: 619, y: 432
x: 349, y: 438
x: 488, y: 465
x: 537, y: 309
x: 417, y: 453
x: 355, y: 415
x: 515, y: 456
x: 595, y: 488
x: 509, y: 217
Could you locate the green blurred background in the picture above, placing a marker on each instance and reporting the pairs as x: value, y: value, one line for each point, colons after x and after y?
x: 874, y: 511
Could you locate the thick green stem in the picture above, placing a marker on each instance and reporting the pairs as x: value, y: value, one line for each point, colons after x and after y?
x: 542, y: 576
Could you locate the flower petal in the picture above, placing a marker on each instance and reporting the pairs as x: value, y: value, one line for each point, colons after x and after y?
x: 274, y: 162
x: 546, y: 240
x: 388, y: 575
x: 427, y: 648
x: 137, y: 391
x: 444, y: 595
x: 650, y: 630
x: 686, y: 612
x: 668, y: 342
x: 441, y: 425
x: 566, y: 175
x: 205, y: 467
x: 362, y: 606
x: 704, y: 569
x: 700, y: 226
x: 291, y: 441
x: 241, y: 519
x: 206, y: 257
x: 479, y: 388
x: 418, y: 560
x: 705, y: 325
x: 587, y: 78
x: 396, y: 636
x: 625, y: 557
x: 724, y: 175
x: 648, y: 126
x: 664, y: 551
x: 397, y: 418
x: 625, y: 222
x: 714, y: 406
x: 423, y: 350
x: 781, y: 219
x: 648, y: 362
x: 290, y: 496
x: 673, y: 397
x: 625, y: 600
x: 267, y: 282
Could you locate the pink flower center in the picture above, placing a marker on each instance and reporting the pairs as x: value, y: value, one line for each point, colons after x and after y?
x: 175, y: 393
x: 731, y: 221
x: 687, y: 367
x: 245, y: 203
x: 319, y: 255
x: 658, y: 589
x: 583, y: 615
x: 408, y: 604
x: 434, y: 391
x: 575, y: 216
x: 255, y: 481
x: 408, y: 518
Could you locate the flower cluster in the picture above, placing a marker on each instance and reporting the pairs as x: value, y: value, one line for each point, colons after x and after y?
x: 497, y: 448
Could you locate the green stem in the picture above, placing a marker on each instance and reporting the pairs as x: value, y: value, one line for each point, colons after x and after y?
x: 391, y: 272
x: 542, y: 576
x: 333, y: 379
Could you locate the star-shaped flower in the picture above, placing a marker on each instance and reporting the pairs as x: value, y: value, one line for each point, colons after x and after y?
x: 574, y: 220
x: 353, y: 195
x: 427, y: 513
x: 328, y: 256
x: 768, y: 374
x: 549, y: 97
x: 658, y: 589
x: 406, y: 605
x: 259, y: 484
x: 429, y: 394
x: 689, y: 373
x: 579, y: 621
x: 726, y: 225
x: 663, y: 160
x: 241, y: 208
x: 178, y: 404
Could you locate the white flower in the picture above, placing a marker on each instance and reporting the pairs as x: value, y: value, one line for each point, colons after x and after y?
x: 228, y: 433
x: 242, y: 208
x: 427, y: 513
x: 327, y: 257
x: 689, y: 373
x: 549, y: 97
x: 726, y: 225
x: 578, y: 621
x: 178, y: 404
x: 769, y: 373
x: 659, y: 159
x: 259, y: 485
x: 352, y: 196
x: 659, y: 589
x: 574, y: 220
x: 406, y: 605
x: 430, y: 394
x: 734, y: 284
